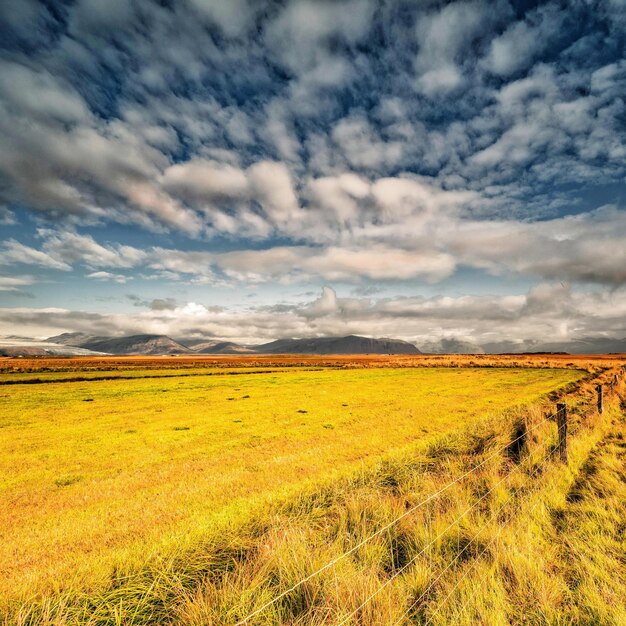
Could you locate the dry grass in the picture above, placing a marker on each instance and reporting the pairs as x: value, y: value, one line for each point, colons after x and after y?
x: 231, y: 565
x: 13, y: 365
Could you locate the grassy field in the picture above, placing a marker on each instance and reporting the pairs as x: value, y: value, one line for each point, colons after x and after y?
x: 126, y: 364
x: 193, y: 499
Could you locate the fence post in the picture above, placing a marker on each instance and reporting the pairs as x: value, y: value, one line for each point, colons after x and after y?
x: 561, y: 421
x: 600, y: 403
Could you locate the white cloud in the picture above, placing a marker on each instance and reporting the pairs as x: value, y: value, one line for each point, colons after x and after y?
x: 362, y: 147
x: 341, y: 195
x: 378, y: 262
x: 52, y: 144
x: 272, y: 185
x: 13, y: 283
x: 70, y: 247
x: 584, y: 248
x: 521, y: 42
x: 442, y: 35
x: 205, y: 179
x: 39, y: 95
x: 420, y: 234
x: 326, y: 304
x: 14, y: 252
x: 109, y: 276
x: 518, y: 322
x: 300, y: 34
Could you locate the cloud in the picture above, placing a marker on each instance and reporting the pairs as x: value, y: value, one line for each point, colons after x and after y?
x: 363, y: 147
x: 14, y: 252
x: 12, y: 283
x: 218, y: 143
x: 326, y: 304
x: 341, y: 195
x: 443, y: 36
x: 52, y: 143
x: 156, y: 304
x: 109, y: 276
x: 524, y: 40
x: 273, y: 187
x: 420, y: 235
x: 206, y: 180
x: 72, y: 247
x: 316, y: 88
x: 468, y: 323
x: 39, y: 96
x: 300, y: 36
x: 7, y: 217
x: 584, y: 248
x: 379, y: 263
x: 234, y: 18
x: 162, y: 304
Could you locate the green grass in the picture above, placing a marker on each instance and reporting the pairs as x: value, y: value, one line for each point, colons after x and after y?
x: 110, y: 476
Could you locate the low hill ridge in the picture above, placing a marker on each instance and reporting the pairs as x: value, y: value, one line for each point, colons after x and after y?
x: 352, y: 344
x: 134, y: 345
x: 153, y: 345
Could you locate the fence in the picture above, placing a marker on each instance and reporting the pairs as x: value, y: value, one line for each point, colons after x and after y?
x: 560, y: 416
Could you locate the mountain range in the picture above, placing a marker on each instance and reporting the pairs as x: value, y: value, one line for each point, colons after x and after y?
x: 152, y: 345
x: 84, y: 344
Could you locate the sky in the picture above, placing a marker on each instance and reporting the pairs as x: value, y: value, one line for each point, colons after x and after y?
x: 448, y: 173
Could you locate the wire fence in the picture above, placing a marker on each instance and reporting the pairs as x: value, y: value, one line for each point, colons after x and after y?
x: 604, y: 392
x: 458, y: 556
x: 391, y: 524
x: 432, y: 542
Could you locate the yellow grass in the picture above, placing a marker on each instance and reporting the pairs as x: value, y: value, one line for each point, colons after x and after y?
x: 188, y: 507
x: 96, y: 473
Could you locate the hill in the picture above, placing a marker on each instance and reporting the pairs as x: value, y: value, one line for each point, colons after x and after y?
x: 16, y: 347
x: 149, y: 345
x: 352, y: 344
x: 154, y: 345
x: 71, y: 339
x: 222, y: 347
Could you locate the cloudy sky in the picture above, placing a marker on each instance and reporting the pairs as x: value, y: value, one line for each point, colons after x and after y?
x: 438, y: 172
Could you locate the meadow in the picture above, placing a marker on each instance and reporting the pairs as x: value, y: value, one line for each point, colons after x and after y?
x: 193, y: 495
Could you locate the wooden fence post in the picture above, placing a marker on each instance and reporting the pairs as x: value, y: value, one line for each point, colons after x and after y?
x: 600, y: 403
x: 561, y: 421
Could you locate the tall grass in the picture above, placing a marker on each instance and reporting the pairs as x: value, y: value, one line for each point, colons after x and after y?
x: 541, y: 547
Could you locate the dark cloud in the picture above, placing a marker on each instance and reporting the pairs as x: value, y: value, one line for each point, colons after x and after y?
x: 156, y: 304
x: 162, y: 304
x: 127, y: 101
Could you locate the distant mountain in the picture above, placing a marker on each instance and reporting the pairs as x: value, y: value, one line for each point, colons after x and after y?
x: 71, y: 339
x: 222, y: 347
x: 586, y: 345
x: 452, y: 346
x: 20, y: 346
x: 161, y: 344
x: 351, y: 344
x: 215, y: 346
x: 135, y: 345
x: 197, y: 342
x: 149, y: 345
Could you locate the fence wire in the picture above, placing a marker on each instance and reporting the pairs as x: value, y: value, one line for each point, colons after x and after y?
x: 611, y: 388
